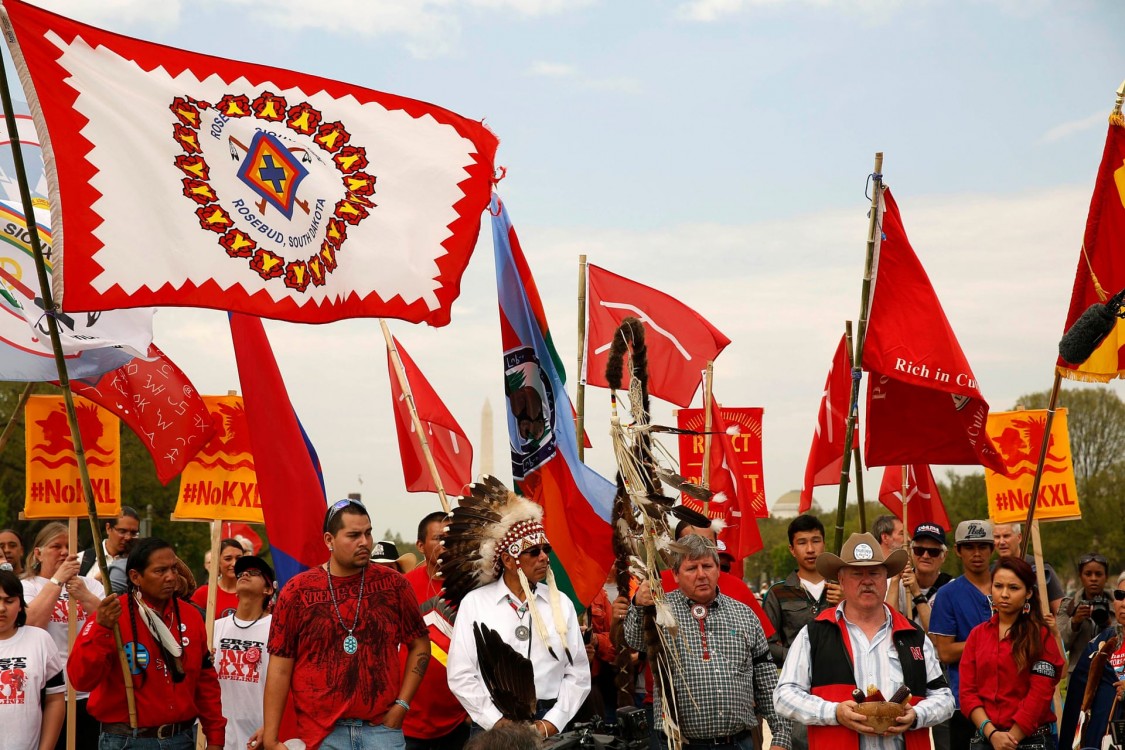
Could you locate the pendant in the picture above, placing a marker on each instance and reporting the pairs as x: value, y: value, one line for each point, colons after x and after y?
x: 699, y: 612
x: 351, y: 645
x: 523, y: 632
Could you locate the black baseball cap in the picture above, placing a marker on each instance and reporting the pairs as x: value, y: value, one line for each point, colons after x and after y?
x: 250, y: 562
x: 929, y: 531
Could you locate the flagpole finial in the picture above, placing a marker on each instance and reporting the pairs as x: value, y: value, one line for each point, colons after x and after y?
x: 1116, y: 116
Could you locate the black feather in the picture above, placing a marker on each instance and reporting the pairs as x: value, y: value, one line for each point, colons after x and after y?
x: 508, y: 675
x: 693, y: 517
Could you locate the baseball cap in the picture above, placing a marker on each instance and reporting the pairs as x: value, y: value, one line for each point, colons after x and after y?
x: 975, y: 532
x: 929, y: 531
x: 250, y: 562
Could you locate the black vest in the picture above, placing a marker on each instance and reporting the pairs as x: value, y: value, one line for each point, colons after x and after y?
x: 832, y: 665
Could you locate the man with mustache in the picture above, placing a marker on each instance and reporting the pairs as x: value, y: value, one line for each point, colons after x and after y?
x: 858, y: 645
x: 333, y: 646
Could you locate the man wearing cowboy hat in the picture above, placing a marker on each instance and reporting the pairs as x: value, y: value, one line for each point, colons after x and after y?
x: 851, y: 647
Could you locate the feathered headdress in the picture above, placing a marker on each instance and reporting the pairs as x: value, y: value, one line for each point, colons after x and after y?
x: 489, y: 520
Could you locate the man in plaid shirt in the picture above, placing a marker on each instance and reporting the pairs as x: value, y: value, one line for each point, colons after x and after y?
x: 722, y: 672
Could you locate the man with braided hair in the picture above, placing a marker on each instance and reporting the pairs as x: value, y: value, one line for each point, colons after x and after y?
x: 509, y: 597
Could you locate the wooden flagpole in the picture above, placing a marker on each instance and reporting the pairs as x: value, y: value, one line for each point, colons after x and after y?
x: 705, y: 469
x: 14, y: 419
x: 857, y: 359
x: 1052, y: 402
x: 404, y: 384
x: 855, y: 448
x: 580, y: 391
x: 909, y: 603
x: 71, y: 632
x: 51, y: 310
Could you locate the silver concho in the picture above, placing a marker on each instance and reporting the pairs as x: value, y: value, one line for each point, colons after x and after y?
x: 864, y: 552
x: 523, y: 632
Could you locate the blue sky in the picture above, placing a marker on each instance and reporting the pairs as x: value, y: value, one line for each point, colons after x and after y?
x: 715, y: 149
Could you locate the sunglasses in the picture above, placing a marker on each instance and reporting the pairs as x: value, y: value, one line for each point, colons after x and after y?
x: 252, y: 573
x: 927, y: 551
x: 1119, y: 595
x: 537, y: 551
x: 338, y: 506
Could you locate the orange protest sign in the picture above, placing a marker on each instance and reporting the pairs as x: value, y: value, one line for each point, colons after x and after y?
x: 54, y: 487
x: 219, y: 484
x: 747, y: 443
x: 1018, y: 436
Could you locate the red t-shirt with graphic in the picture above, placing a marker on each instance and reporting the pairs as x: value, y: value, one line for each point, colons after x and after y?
x: 329, y: 684
x: 434, y: 712
x: 225, y: 603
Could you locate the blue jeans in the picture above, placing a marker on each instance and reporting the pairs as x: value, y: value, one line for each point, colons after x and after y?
x: 182, y: 741
x: 352, y: 734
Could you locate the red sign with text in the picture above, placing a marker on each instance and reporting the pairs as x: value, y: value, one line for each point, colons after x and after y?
x: 747, y: 445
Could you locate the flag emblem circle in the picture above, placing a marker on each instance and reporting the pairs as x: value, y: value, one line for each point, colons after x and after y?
x: 293, y: 183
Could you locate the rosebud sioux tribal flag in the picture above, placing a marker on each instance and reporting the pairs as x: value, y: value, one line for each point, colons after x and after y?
x: 923, y: 403
x: 450, y: 447
x: 576, y: 501
x: 1101, y: 266
x: 826, y: 457
x: 678, y: 338
x: 186, y: 179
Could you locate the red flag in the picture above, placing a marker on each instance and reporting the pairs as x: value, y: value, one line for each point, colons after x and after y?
x: 239, y: 530
x: 741, y: 534
x: 923, y: 402
x: 826, y: 457
x: 678, y: 338
x: 288, y: 470
x: 159, y: 404
x: 451, y: 450
x: 196, y: 180
x: 923, y: 500
x: 1101, y: 265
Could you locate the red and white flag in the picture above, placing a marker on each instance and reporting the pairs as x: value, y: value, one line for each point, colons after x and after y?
x: 678, y: 338
x: 158, y: 402
x: 185, y: 179
x: 826, y: 457
x: 924, y: 504
x: 451, y: 450
x: 741, y: 535
x: 923, y: 401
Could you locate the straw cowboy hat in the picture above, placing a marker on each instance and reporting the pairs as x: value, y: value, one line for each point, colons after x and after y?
x: 860, y: 551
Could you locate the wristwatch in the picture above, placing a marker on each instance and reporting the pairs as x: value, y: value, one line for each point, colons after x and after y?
x: 56, y: 581
x: 920, y: 600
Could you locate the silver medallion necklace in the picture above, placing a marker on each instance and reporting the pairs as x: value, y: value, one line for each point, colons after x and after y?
x: 351, y: 645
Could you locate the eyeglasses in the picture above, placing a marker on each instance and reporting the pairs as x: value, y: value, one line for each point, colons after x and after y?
x: 927, y: 551
x: 338, y: 506
x: 1119, y: 595
x: 126, y: 532
x: 1093, y: 557
x: 537, y: 551
x: 252, y: 573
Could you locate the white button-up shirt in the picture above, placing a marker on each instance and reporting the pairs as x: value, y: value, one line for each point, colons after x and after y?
x: 874, y: 662
x: 555, y: 679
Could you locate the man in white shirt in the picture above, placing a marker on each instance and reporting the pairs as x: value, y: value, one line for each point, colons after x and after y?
x: 530, y: 617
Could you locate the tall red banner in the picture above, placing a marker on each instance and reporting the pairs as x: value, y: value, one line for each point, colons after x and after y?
x: 747, y: 444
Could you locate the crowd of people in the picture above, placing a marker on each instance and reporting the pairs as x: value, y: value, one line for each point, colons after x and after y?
x: 876, y: 647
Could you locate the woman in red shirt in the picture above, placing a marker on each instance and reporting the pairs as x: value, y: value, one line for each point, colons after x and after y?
x: 1010, y: 666
x: 227, y: 600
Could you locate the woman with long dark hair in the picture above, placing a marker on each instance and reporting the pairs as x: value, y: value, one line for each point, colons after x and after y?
x: 1089, y: 611
x: 32, y: 700
x: 1010, y: 666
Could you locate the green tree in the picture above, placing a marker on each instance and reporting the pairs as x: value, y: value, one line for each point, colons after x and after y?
x: 1095, y: 423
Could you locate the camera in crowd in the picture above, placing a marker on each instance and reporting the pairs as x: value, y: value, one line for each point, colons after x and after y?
x: 631, y: 732
x: 1100, y: 609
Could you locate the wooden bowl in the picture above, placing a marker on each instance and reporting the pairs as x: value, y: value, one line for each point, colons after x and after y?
x: 881, y: 715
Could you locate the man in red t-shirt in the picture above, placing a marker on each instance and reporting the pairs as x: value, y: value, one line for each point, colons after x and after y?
x: 436, y: 720
x: 334, y: 645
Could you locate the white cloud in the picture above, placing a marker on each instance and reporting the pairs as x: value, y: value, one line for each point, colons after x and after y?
x: 532, y: 7
x: 714, y: 10
x: 1073, y: 127
x: 163, y: 14
x: 551, y: 69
